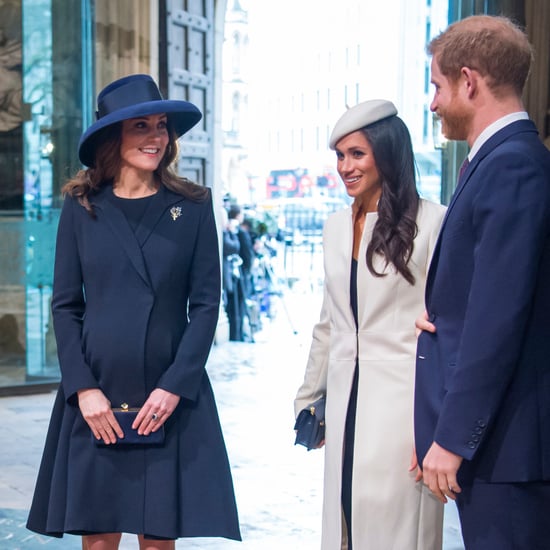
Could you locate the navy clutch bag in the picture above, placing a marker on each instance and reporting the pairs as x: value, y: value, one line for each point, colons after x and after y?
x: 125, y: 417
x: 310, y: 425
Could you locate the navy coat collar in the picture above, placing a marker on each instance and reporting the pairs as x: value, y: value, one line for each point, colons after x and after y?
x: 131, y: 242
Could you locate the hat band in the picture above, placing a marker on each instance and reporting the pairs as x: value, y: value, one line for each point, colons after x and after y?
x: 125, y: 96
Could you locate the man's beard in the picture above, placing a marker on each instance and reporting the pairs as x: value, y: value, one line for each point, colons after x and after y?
x: 454, y: 123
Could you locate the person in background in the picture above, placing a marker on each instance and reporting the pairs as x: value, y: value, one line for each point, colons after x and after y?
x: 135, y: 305
x: 246, y: 248
x: 482, y: 410
x: 234, y: 298
x: 376, y: 257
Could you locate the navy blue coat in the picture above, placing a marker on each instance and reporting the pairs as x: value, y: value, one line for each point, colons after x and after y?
x: 134, y: 312
x: 483, y: 379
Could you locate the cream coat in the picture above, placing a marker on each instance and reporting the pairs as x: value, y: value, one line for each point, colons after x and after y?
x: 390, y: 510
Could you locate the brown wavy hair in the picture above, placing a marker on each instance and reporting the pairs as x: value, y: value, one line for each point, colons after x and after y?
x: 395, y: 228
x: 89, y: 181
x: 494, y: 46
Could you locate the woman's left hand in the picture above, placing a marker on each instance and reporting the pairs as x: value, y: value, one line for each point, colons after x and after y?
x: 155, y: 411
x: 414, y: 466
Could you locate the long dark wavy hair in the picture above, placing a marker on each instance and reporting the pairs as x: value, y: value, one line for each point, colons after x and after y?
x: 89, y: 181
x: 396, y: 228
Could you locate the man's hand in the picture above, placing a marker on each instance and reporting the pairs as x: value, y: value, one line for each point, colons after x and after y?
x: 439, y: 468
x: 422, y: 323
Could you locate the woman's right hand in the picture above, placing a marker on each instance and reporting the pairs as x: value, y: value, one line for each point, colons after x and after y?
x: 414, y: 467
x: 422, y: 324
x: 96, y: 410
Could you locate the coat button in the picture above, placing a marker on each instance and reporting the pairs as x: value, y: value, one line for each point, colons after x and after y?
x: 471, y: 444
x: 475, y: 438
x: 478, y: 430
x: 481, y: 423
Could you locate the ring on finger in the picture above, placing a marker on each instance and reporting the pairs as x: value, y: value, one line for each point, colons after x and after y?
x: 154, y: 417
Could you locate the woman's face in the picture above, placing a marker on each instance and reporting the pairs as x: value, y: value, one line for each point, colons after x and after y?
x: 357, y: 167
x: 144, y: 142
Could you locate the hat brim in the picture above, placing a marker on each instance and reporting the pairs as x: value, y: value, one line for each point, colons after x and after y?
x: 182, y: 114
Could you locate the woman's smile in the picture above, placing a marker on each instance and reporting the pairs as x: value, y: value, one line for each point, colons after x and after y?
x: 150, y: 150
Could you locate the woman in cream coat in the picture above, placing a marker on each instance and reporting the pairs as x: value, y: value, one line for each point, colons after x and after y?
x: 362, y: 355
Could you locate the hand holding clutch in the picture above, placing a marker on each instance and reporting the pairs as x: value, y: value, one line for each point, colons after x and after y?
x: 125, y: 417
x: 310, y: 425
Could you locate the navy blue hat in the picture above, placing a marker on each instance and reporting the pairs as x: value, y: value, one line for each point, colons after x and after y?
x: 130, y: 97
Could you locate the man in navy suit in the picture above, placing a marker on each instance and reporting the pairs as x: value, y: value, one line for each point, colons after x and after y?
x: 482, y: 406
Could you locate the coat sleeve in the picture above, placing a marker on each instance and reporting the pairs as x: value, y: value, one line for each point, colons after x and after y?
x: 510, y: 221
x: 315, y: 379
x: 69, y: 305
x: 185, y: 374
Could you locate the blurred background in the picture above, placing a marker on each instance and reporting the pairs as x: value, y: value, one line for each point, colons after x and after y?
x: 271, y: 79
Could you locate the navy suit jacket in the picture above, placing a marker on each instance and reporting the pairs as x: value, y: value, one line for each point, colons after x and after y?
x: 483, y: 379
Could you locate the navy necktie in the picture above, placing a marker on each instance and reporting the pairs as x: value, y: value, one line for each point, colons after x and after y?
x: 463, y: 168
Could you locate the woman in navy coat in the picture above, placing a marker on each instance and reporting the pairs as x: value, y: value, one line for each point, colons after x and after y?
x: 135, y: 305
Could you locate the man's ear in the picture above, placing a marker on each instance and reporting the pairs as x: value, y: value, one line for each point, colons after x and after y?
x: 470, y: 80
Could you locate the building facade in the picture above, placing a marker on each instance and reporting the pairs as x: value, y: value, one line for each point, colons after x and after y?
x: 235, y: 109
x: 54, y: 58
x: 353, y: 53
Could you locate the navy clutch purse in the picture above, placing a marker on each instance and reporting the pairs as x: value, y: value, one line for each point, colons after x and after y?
x: 125, y: 417
x: 310, y: 425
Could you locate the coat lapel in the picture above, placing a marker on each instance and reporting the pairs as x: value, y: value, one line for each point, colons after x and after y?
x: 363, y: 273
x: 121, y: 228
x: 492, y: 143
x: 160, y: 207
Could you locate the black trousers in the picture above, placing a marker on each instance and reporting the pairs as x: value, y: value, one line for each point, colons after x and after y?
x: 236, y: 310
x: 505, y: 516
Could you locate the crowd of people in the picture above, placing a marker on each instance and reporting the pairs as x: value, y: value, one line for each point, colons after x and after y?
x: 431, y: 348
x: 237, y: 259
x: 247, y: 274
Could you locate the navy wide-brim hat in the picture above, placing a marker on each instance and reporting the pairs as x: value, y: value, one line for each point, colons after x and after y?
x: 131, y: 97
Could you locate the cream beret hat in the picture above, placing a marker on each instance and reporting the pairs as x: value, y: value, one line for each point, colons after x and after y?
x: 360, y: 116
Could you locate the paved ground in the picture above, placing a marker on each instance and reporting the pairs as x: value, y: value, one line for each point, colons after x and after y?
x: 278, y: 486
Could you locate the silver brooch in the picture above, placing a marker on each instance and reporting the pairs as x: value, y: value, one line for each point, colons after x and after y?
x: 175, y: 212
